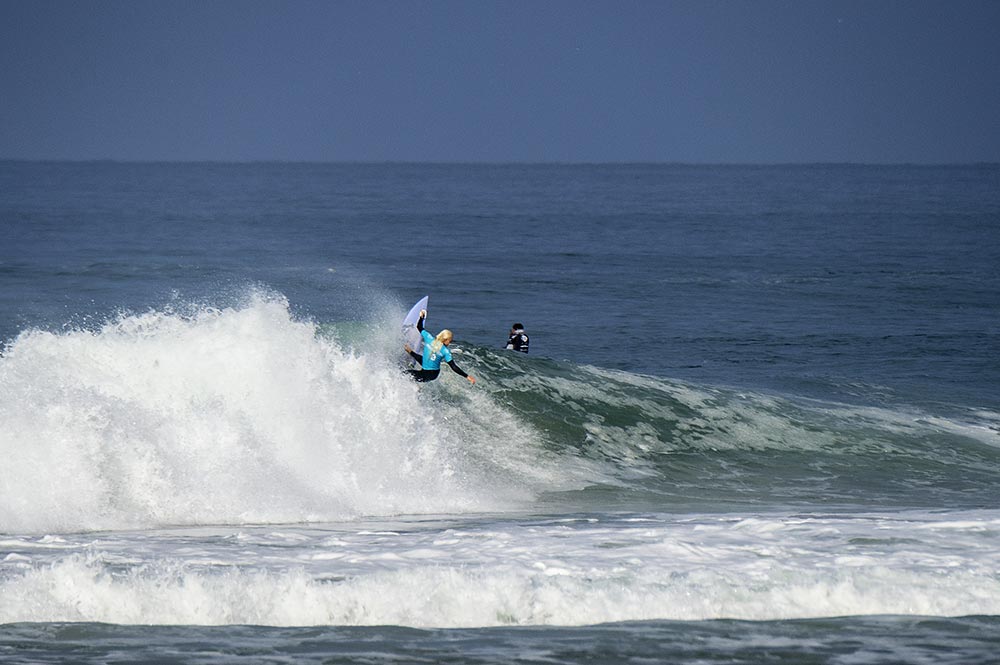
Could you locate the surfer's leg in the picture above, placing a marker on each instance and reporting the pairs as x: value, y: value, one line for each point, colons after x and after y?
x: 423, y: 375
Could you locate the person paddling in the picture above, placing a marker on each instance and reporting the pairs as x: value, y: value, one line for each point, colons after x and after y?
x: 435, y: 350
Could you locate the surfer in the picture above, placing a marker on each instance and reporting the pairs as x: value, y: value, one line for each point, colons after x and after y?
x: 435, y: 350
x: 518, y: 340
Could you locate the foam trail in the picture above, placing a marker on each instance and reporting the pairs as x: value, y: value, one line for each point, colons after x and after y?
x: 230, y: 415
x: 556, y: 572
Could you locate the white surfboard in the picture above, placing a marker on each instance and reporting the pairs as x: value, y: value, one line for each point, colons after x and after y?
x: 410, y: 333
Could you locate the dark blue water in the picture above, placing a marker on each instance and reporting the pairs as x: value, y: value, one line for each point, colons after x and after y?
x: 878, y: 640
x: 808, y: 279
x: 768, y: 344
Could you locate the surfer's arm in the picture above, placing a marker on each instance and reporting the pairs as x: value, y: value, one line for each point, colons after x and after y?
x: 416, y: 356
x: 420, y: 321
x: 458, y: 370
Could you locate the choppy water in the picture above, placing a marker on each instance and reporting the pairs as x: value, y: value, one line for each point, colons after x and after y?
x: 760, y: 421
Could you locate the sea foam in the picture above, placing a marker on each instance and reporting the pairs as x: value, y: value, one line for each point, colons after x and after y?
x: 545, y: 572
x: 237, y: 415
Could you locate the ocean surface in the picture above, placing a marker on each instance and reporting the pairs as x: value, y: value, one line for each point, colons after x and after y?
x: 759, y: 423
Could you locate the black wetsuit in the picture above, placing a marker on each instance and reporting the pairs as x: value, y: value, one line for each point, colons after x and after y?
x: 518, y: 342
x: 421, y: 375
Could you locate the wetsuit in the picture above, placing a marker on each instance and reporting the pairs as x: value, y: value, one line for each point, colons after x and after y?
x: 518, y: 341
x: 430, y: 363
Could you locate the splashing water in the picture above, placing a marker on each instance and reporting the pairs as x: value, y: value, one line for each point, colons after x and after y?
x: 234, y: 415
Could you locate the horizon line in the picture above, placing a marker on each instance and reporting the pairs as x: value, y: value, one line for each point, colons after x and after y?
x: 405, y: 162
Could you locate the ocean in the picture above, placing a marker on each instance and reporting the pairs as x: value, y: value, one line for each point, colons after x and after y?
x: 759, y: 423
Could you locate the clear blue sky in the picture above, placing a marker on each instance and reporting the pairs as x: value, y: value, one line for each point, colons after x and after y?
x: 516, y: 80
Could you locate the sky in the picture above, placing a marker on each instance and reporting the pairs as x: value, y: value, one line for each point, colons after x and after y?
x: 694, y: 81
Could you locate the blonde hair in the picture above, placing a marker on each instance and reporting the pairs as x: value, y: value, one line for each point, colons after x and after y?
x: 443, y: 337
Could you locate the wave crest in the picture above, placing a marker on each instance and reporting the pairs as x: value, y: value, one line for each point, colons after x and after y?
x: 234, y: 415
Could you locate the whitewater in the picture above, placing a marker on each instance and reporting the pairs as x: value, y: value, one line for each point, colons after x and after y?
x: 238, y: 415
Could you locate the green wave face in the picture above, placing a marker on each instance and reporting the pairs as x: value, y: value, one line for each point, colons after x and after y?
x: 672, y: 445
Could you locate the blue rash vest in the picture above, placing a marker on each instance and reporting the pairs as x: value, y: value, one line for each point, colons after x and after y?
x: 433, y: 360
